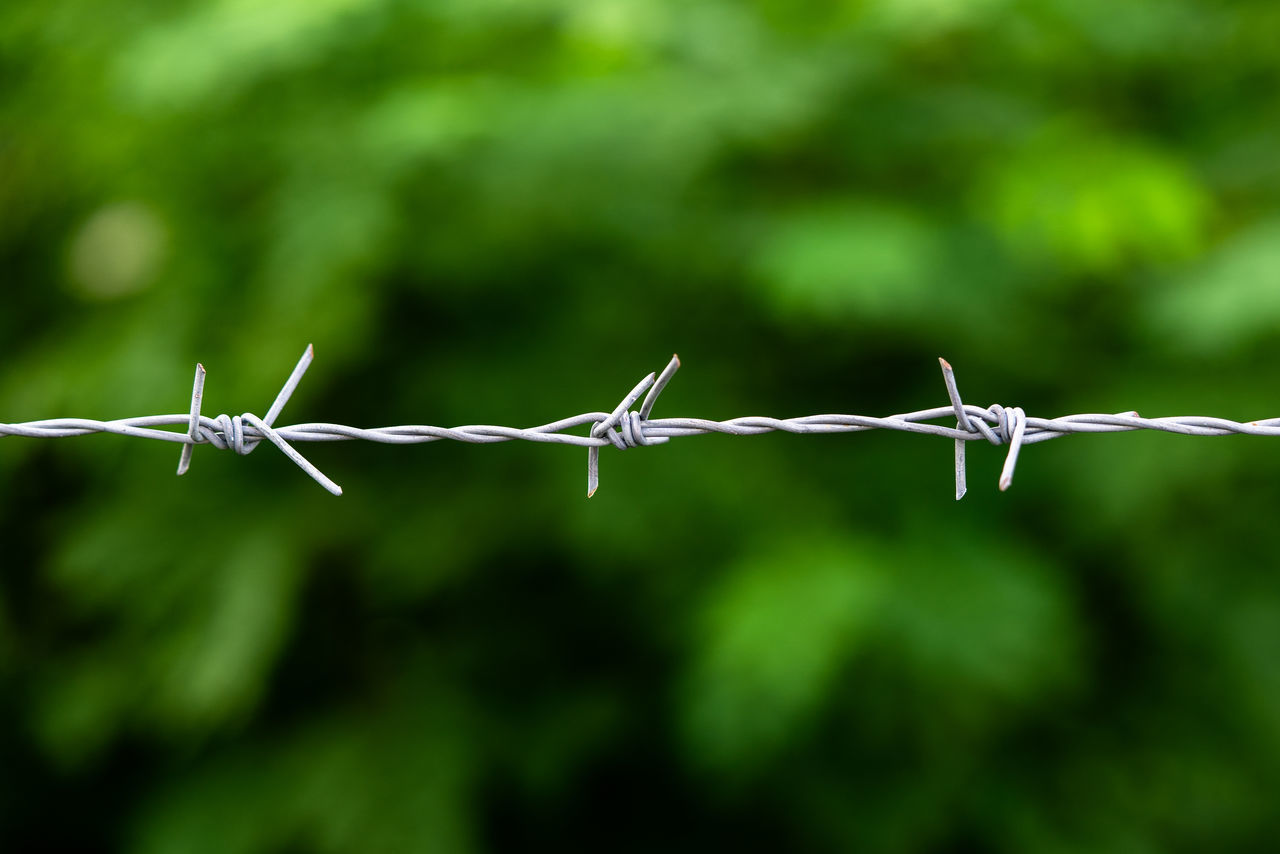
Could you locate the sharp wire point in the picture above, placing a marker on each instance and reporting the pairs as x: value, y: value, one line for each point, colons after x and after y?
x: 193, y: 431
x: 1014, y: 423
x: 962, y: 423
x: 953, y: 392
x: 593, y: 470
x: 290, y: 384
x: 665, y: 377
x: 289, y: 451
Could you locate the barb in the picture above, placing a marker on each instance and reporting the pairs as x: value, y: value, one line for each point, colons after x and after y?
x: 632, y: 433
x: 622, y: 428
x: 231, y: 433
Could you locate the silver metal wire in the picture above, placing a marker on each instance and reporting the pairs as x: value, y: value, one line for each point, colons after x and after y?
x: 623, y: 428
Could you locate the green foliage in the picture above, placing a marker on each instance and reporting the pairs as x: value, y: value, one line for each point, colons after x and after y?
x: 1229, y: 299
x: 775, y: 636
x: 506, y: 212
x: 857, y: 261
x: 1096, y: 205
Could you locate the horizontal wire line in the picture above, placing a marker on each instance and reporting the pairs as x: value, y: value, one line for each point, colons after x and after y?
x: 997, y: 425
x: 1038, y: 429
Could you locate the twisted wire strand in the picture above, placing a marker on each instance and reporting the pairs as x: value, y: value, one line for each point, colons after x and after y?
x: 624, y: 428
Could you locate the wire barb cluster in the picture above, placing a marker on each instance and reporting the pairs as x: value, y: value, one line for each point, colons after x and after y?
x: 623, y: 428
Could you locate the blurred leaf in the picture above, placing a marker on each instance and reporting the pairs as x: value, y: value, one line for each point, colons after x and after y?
x: 774, y: 636
x: 850, y: 260
x: 1095, y: 204
x: 1140, y: 29
x: 985, y: 626
x: 365, y: 784
x: 199, y: 621
x: 215, y: 50
x: 931, y: 18
x: 1228, y: 301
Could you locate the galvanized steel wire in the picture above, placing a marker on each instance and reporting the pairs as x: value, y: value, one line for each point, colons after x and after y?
x: 624, y: 428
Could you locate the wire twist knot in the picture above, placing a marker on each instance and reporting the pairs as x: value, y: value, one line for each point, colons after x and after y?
x: 1006, y: 422
x: 624, y: 429
x: 629, y: 432
x: 1008, y: 426
x: 229, y: 435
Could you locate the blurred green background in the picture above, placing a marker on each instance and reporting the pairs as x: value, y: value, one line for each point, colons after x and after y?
x: 508, y: 211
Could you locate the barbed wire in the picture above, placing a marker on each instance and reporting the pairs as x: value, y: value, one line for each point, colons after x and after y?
x: 624, y: 428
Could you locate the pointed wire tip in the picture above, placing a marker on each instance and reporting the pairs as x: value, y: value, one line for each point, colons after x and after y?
x: 946, y: 366
x: 1005, y: 483
x: 675, y: 357
x: 591, y: 490
x: 197, y: 395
